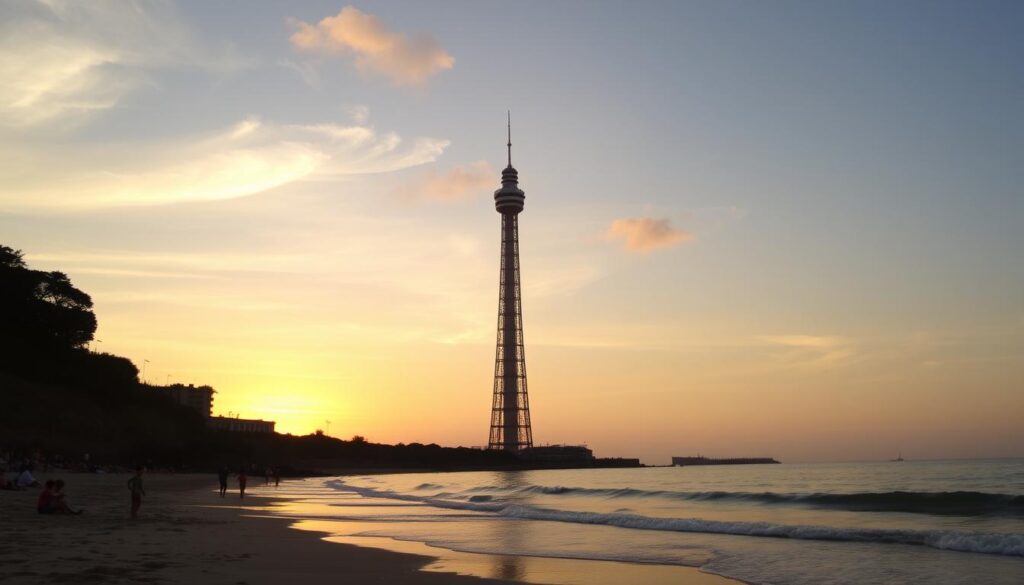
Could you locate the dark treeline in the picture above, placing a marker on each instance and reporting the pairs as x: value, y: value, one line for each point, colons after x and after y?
x: 61, y: 401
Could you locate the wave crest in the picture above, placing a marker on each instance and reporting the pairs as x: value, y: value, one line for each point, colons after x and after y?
x: 998, y: 544
x: 958, y: 503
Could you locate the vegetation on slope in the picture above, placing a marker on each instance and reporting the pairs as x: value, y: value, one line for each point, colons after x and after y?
x: 59, y: 399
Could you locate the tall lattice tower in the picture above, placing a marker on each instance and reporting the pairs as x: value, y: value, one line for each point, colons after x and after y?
x: 510, y: 409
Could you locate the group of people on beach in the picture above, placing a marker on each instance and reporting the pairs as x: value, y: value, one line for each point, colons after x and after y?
x: 243, y: 479
x: 52, y: 499
x: 21, y: 480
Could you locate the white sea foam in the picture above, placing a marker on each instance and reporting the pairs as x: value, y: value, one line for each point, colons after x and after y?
x: 988, y: 543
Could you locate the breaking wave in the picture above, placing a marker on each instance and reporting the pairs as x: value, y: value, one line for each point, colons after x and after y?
x: 959, y: 503
x: 987, y: 543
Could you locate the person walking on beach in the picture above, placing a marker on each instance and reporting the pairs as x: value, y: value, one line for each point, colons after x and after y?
x: 135, y: 486
x: 222, y: 477
x: 242, y: 478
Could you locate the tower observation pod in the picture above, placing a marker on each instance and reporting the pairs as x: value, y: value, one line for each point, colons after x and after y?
x: 510, y: 407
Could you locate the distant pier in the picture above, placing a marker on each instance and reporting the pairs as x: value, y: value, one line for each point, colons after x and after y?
x: 687, y: 461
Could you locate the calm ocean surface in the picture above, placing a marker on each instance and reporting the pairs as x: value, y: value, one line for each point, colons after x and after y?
x: 910, y: 522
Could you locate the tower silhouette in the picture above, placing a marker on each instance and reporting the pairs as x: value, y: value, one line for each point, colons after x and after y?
x: 510, y: 408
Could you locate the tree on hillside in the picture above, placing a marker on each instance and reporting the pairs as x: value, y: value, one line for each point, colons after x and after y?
x: 11, y: 258
x: 41, y: 311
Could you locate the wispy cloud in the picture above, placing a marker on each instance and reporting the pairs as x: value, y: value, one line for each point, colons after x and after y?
x: 63, y: 61
x: 403, y: 59
x: 359, y: 113
x: 307, y: 72
x: 247, y: 158
x: 812, y: 350
x: 647, y: 234
x: 817, y: 342
x: 549, y: 280
x: 459, y: 183
x: 187, y: 265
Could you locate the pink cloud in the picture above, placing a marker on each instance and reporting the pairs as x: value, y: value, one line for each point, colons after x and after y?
x: 405, y: 60
x: 457, y: 184
x: 646, y: 234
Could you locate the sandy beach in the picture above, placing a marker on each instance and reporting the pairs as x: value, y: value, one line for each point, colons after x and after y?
x: 187, y: 534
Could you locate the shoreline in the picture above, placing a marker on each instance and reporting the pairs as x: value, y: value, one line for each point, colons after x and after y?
x: 186, y: 533
x: 553, y: 569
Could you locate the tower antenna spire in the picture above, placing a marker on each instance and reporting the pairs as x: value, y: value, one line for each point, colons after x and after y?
x: 509, y: 138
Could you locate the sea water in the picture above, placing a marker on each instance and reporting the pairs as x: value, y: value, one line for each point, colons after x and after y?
x: 932, y: 522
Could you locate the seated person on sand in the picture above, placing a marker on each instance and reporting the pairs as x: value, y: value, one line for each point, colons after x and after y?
x: 9, y: 483
x: 44, y: 505
x: 60, y: 500
x: 52, y: 501
x: 25, y: 479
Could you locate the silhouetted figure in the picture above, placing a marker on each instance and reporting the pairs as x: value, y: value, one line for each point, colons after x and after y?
x: 44, y: 505
x: 222, y: 477
x: 52, y: 499
x: 277, y: 477
x: 242, y: 479
x: 60, y: 503
x: 25, y: 479
x: 137, y: 490
x: 7, y: 484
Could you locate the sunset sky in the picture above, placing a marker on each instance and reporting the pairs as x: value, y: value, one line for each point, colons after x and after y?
x: 782, y: 228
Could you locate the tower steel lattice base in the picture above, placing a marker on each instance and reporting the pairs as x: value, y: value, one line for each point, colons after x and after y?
x: 510, y: 408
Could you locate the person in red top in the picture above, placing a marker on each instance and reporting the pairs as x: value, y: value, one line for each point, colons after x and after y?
x: 45, y: 503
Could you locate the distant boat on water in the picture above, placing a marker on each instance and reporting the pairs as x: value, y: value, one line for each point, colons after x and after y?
x: 898, y: 458
x: 699, y: 460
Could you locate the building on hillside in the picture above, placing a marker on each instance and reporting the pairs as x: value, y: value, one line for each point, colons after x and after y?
x: 199, y: 398
x: 240, y: 425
